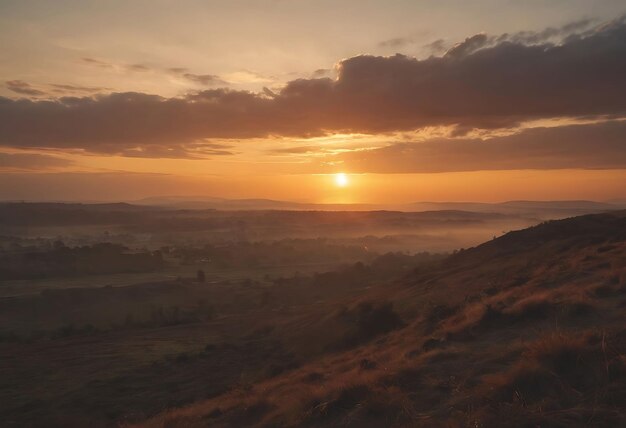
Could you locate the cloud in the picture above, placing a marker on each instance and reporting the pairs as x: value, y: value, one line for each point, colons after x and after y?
x: 268, y: 92
x: 39, y: 90
x: 480, y: 40
x: 97, y: 62
x: 400, y: 42
x: 182, y: 72
x: 533, y: 37
x: 592, y: 146
x: 23, y: 88
x: 63, y: 88
x: 469, y: 45
x: 138, y: 67
x: 112, y: 65
x: 187, y: 151
x: 28, y: 161
x: 397, y: 42
x: 297, y: 150
x: 436, y: 46
x: 202, y: 79
x: 321, y: 72
x: 177, y: 70
x: 205, y: 79
x: 497, y: 86
x: 248, y: 76
x: 47, y: 90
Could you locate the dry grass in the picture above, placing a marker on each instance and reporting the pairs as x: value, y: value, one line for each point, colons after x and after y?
x: 562, y: 379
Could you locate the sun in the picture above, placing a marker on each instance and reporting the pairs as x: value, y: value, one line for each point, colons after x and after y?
x: 341, y: 179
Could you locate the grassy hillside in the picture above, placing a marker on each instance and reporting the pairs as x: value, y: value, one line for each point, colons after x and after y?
x: 525, y: 330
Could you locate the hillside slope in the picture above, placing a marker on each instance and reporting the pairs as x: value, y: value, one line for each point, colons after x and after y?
x: 525, y: 330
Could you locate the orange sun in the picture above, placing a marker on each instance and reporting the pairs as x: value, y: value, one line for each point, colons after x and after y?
x: 341, y: 179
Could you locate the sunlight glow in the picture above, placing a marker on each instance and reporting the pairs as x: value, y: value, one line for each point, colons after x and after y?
x: 341, y: 179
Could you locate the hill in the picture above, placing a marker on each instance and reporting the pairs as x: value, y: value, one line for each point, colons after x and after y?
x: 538, y: 209
x: 528, y: 329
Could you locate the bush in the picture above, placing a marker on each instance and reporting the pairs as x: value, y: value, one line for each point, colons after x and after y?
x: 369, y: 320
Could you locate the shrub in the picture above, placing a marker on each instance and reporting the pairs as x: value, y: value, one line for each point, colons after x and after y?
x: 369, y: 320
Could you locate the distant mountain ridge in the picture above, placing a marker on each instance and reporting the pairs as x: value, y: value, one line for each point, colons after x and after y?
x: 544, y: 209
x: 200, y: 202
x: 538, y: 210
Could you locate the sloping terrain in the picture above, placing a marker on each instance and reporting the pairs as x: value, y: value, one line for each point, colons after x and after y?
x: 526, y: 330
x: 98, y: 355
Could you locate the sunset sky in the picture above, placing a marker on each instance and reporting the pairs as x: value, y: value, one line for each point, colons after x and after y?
x: 412, y: 100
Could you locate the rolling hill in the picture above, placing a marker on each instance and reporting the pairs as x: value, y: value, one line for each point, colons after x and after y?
x: 528, y: 329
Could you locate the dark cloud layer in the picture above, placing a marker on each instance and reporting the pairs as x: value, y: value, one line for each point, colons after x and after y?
x: 481, y: 40
x: 27, y: 161
x: 492, y: 87
x: 594, y: 146
x: 533, y: 37
x: 468, y: 46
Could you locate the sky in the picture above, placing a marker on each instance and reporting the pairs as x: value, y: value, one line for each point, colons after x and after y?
x: 421, y: 100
